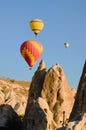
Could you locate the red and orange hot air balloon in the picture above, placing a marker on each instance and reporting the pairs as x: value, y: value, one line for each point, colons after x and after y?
x: 31, y: 51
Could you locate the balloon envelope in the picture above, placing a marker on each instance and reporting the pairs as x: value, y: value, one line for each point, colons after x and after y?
x: 36, y: 25
x: 66, y: 44
x: 31, y: 51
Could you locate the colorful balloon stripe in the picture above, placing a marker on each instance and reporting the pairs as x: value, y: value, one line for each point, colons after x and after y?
x: 31, y: 51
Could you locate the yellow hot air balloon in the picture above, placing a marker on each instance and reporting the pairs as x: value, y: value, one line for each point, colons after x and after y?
x: 36, y: 25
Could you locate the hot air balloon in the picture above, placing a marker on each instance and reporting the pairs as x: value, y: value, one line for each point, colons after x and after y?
x: 31, y: 51
x: 36, y: 25
x: 66, y: 44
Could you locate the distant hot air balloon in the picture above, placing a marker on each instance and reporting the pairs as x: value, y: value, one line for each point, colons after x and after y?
x: 66, y: 44
x: 31, y: 51
x: 36, y: 25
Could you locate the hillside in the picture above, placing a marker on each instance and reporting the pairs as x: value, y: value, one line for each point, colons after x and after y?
x: 14, y: 93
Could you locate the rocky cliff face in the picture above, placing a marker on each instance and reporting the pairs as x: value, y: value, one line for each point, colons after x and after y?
x: 77, y: 119
x: 49, y: 103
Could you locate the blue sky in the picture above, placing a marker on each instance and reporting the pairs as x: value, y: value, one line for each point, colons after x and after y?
x: 65, y: 20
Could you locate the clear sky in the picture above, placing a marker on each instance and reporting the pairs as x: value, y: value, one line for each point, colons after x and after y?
x: 65, y: 20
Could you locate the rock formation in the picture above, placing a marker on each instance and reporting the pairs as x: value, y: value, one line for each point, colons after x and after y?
x: 77, y: 119
x: 9, y: 120
x: 45, y: 102
x: 14, y: 94
x: 49, y: 103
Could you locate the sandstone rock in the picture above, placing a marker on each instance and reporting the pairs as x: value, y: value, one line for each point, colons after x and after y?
x: 49, y: 115
x: 1, y: 97
x: 39, y: 116
x: 78, y: 124
x: 9, y: 120
x: 80, y: 101
x: 14, y: 94
x: 77, y: 117
x: 56, y: 92
x: 51, y: 88
x: 37, y: 82
x: 48, y: 98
